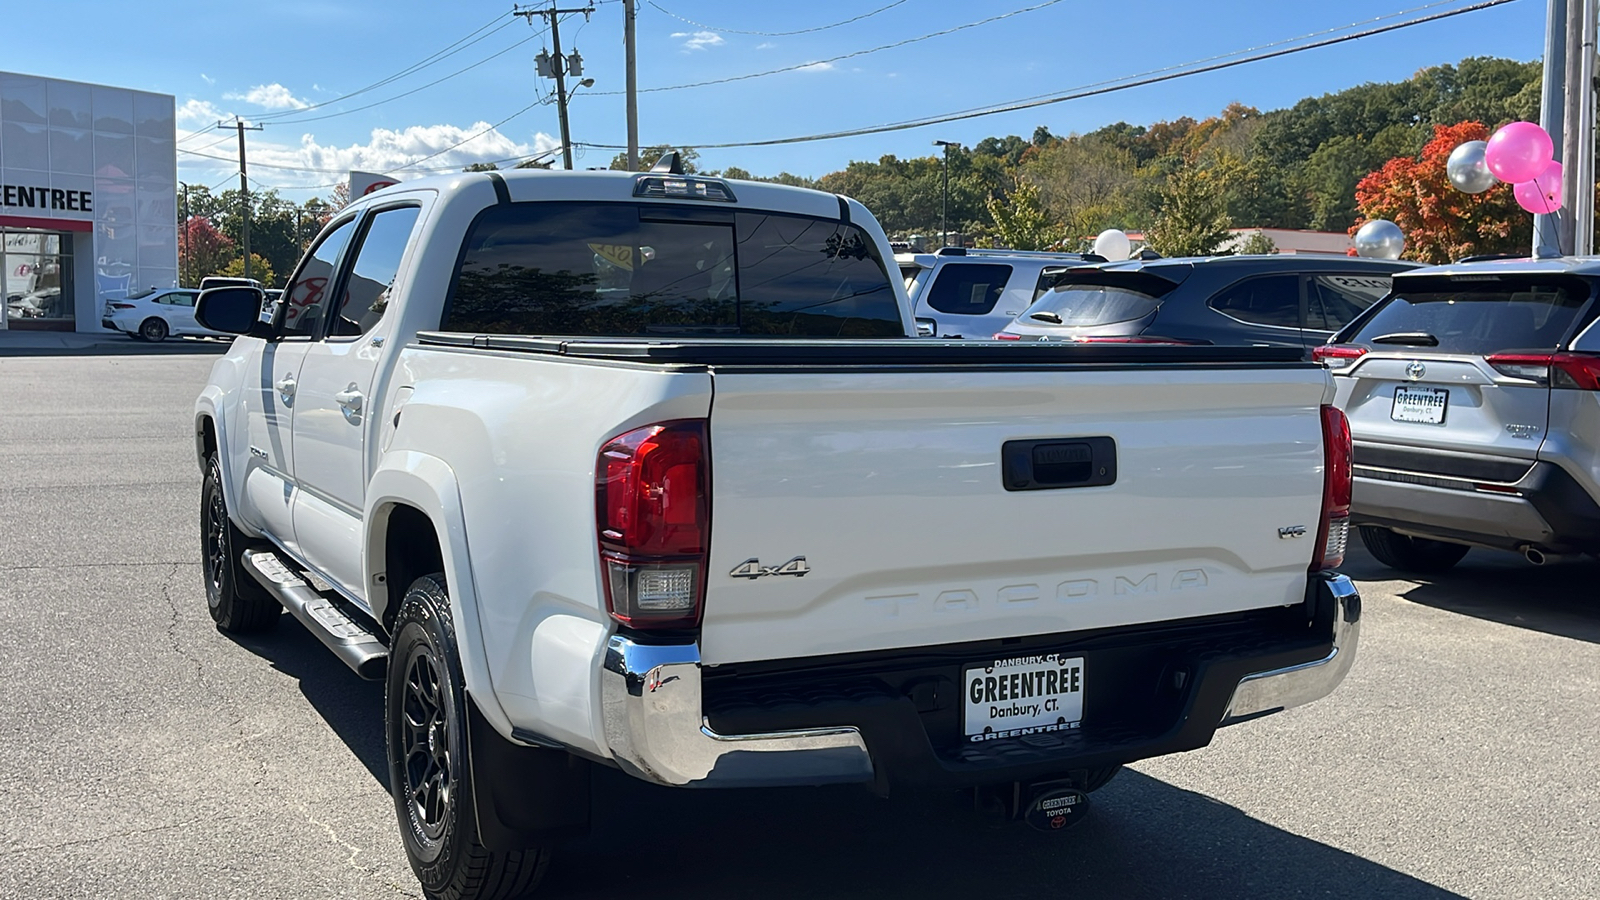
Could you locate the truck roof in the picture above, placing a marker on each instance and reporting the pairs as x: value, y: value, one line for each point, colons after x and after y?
x: 558, y: 184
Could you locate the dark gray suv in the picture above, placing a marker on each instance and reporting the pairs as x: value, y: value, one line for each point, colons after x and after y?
x: 1473, y: 393
x: 1280, y: 300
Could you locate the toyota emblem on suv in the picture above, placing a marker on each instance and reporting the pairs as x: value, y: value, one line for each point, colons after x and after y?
x: 1415, y: 370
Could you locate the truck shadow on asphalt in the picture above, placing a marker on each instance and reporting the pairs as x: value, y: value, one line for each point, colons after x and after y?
x: 1557, y: 598
x: 1143, y: 838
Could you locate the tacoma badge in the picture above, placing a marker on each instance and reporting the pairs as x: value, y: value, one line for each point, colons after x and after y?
x: 752, y: 568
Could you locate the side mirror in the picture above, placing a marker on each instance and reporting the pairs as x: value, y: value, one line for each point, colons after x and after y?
x: 235, y: 310
x: 927, y: 327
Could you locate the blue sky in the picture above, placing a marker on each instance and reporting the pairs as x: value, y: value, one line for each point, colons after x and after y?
x: 272, y: 61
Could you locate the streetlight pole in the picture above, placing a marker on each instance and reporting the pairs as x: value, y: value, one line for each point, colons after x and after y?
x: 944, y: 207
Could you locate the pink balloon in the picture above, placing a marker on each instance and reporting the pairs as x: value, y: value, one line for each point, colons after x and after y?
x: 1542, y: 194
x: 1519, y: 152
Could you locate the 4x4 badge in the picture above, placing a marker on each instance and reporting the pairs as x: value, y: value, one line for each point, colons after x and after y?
x: 752, y: 568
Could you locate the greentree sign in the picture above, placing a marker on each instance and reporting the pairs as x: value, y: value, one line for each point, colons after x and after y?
x: 22, y: 196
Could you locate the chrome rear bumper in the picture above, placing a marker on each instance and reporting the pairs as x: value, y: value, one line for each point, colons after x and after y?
x: 1276, y: 690
x: 651, y: 707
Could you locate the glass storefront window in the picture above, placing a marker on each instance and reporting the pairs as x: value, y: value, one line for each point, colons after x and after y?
x: 36, y: 278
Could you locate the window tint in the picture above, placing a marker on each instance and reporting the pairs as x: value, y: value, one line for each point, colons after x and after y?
x: 1478, y: 317
x: 366, y: 291
x: 625, y: 269
x: 970, y: 290
x: 1272, y: 300
x: 1333, y: 300
x: 176, y: 299
x: 1091, y: 304
x: 307, y: 296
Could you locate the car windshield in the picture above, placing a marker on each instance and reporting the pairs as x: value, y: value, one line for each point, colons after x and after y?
x: 1478, y: 317
x: 1070, y: 304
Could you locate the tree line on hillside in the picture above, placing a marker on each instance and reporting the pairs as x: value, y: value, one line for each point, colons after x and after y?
x: 1324, y: 164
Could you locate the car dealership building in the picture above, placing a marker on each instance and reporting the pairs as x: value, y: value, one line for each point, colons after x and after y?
x: 88, y: 199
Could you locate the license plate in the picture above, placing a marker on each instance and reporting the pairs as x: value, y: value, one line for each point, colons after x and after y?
x: 1424, y: 405
x: 1025, y: 695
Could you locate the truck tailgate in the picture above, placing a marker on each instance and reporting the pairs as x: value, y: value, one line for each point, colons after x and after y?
x: 891, y: 484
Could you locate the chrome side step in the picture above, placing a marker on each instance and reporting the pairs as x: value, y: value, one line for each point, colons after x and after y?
x: 349, y: 640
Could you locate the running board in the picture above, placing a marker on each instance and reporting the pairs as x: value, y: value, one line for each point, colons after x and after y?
x: 349, y: 640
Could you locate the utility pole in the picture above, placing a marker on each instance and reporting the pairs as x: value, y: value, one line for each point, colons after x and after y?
x: 183, y: 235
x: 559, y: 66
x: 632, y: 87
x: 1578, y: 181
x: 244, y: 189
x: 1552, y: 111
x: 944, y: 207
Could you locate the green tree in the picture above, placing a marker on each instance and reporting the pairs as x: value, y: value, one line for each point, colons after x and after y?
x: 1193, y: 219
x: 1257, y: 243
x: 1021, y: 223
x: 481, y: 167
x: 649, y: 156
x: 260, y: 269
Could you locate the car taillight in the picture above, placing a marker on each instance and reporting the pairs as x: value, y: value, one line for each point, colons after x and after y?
x: 653, y: 513
x: 1572, y: 371
x: 1334, y: 530
x: 122, y: 306
x: 1337, y: 356
x: 1002, y: 336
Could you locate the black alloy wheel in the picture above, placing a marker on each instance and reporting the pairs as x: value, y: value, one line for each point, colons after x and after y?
x: 153, y: 330
x: 430, y: 779
x: 236, y: 602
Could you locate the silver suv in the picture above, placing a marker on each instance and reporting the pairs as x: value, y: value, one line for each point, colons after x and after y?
x: 1473, y: 393
x: 967, y: 293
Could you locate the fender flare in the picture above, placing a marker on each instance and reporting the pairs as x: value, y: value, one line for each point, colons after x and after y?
x: 428, y: 484
x: 209, y: 405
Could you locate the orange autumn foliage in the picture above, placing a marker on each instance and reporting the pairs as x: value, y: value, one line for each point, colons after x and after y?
x: 1442, y: 224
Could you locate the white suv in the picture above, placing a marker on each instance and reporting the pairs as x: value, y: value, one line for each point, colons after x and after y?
x: 975, y: 293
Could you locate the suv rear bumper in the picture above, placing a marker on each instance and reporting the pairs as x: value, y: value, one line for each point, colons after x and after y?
x: 1167, y: 688
x: 1546, y: 508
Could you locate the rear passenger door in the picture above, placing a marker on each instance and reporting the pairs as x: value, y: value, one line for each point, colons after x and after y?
x: 334, y: 425
x: 1263, y: 311
x: 964, y: 299
x: 1334, y: 300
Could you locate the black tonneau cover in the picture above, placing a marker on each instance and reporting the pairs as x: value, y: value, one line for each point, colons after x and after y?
x: 876, y: 352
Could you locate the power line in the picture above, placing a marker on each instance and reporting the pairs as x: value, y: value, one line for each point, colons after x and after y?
x: 833, y: 59
x: 866, y: 15
x: 435, y: 57
x: 1089, y: 90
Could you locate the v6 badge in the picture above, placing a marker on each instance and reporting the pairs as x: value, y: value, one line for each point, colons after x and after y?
x: 752, y: 568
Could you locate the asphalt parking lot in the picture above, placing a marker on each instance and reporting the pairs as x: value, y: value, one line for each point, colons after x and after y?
x: 147, y: 755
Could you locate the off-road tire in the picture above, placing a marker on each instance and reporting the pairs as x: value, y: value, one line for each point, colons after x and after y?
x: 1411, y: 554
x: 154, y: 330
x: 425, y: 708
x: 238, y: 604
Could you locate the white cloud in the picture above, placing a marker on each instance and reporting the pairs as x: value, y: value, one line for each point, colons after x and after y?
x: 271, y: 96
x: 816, y: 67
x: 387, y: 150
x: 194, y: 110
x: 699, y: 40
x: 765, y: 45
x: 207, y: 78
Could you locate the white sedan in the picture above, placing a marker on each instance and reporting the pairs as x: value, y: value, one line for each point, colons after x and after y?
x: 155, y: 314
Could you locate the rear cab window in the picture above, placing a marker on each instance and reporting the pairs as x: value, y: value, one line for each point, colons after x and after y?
x: 1484, y: 315
x: 620, y: 269
x: 968, y: 289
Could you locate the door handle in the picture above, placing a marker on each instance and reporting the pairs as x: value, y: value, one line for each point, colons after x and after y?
x: 286, y: 389
x: 350, y: 398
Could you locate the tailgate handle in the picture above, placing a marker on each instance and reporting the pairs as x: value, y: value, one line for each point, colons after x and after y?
x: 1058, y: 463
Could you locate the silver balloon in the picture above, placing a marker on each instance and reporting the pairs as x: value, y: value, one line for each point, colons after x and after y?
x: 1467, y: 169
x: 1380, y: 239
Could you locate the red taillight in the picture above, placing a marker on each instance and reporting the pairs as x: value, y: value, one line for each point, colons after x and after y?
x: 1334, y: 530
x: 653, y: 512
x: 1572, y: 371
x: 1002, y: 336
x: 1337, y: 356
x: 122, y: 306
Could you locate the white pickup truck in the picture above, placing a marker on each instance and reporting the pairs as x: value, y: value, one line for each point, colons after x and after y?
x: 648, y: 471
